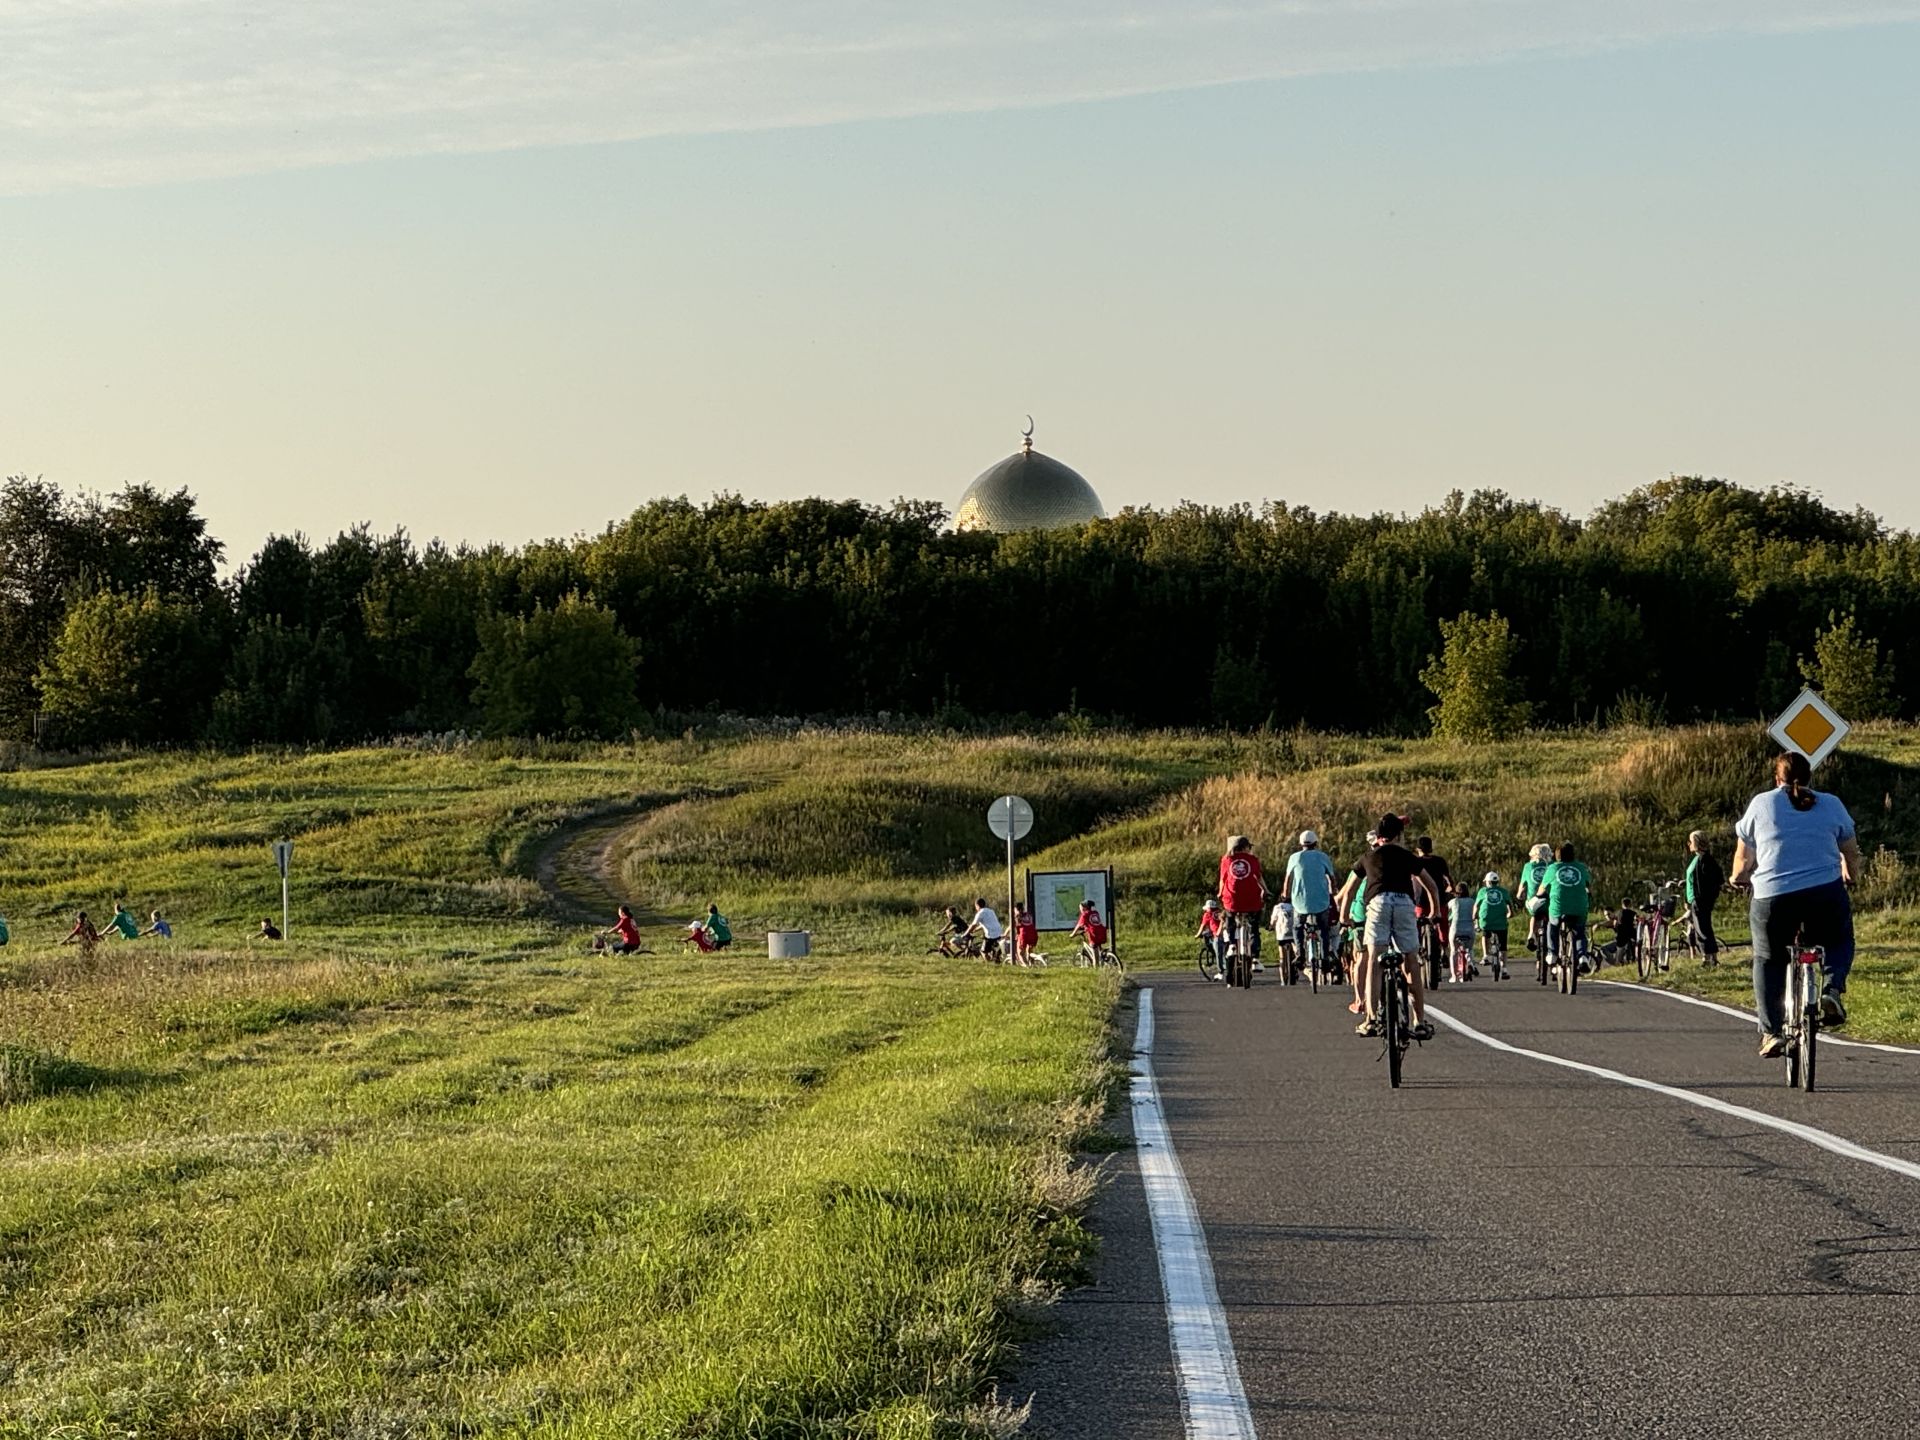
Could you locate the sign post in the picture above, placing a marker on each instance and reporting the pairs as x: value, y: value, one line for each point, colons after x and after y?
x: 1010, y: 818
x: 1811, y: 726
x: 283, y: 857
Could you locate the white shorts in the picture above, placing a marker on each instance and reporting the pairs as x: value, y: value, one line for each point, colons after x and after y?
x: 1391, y: 920
x: 1536, y: 904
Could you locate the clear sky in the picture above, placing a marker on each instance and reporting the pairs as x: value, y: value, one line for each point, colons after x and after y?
x: 503, y: 271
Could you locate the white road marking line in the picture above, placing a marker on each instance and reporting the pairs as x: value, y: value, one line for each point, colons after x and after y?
x: 1211, y: 1396
x: 1821, y: 1138
x: 1747, y: 1015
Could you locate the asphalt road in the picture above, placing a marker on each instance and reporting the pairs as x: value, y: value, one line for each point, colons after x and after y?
x: 1504, y: 1247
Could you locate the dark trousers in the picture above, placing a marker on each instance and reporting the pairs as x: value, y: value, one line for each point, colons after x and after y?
x: 1703, y: 924
x: 1825, y: 913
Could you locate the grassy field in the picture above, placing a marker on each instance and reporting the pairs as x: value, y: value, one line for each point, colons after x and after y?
x: 430, y: 1168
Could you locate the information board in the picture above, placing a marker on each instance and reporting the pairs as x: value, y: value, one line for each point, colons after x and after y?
x: 1055, y: 895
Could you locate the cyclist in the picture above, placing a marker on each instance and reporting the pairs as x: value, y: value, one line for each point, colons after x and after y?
x: 1355, y: 914
x: 1308, y: 887
x: 947, y: 940
x: 1285, y: 928
x: 1531, y: 876
x: 1460, y: 927
x: 1441, y: 874
x: 1568, y: 888
x: 1799, y: 851
x: 1393, y: 876
x: 625, y: 933
x: 1243, y: 890
x: 1492, y: 907
x: 1091, y: 929
x: 987, y: 925
x: 1705, y: 880
x: 1213, y: 931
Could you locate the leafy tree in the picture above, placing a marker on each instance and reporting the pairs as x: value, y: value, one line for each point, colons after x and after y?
x: 130, y: 669
x: 1849, y: 671
x: 569, y: 670
x: 1472, y: 679
x: 280, y: 687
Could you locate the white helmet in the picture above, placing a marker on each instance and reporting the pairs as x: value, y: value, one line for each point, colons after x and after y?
x: 1540, y: 854
x: 1308, y: 839
x: 1212, y: 904
x: 1492, y: 877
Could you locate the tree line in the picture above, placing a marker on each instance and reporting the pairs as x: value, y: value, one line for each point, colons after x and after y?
x: 1689, y: 598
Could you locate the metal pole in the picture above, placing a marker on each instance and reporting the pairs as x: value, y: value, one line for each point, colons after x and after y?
x: 286, y: 927
x: 1009, y: 867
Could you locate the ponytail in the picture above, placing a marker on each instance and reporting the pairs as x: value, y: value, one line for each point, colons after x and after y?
x: 1793, y: 771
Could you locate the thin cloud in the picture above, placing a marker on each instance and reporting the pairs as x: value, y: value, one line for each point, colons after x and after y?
x: 121, y: 92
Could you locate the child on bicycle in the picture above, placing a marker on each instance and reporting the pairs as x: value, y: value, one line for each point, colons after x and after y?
x: 1283, y: 934
x: 1460, y: 930
x: 1493, y: 906
x: 623, y: 936
x: 947, y: 939
x: 1213, y: 931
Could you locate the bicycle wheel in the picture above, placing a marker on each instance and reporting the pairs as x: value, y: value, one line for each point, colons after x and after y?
x: 1809, y: 1025
x: 1643, y: 956
x: 1209, y: 960
x: 1539, y: 947
x: 1390, y: 1022
x: 1666, y: 946
x: 1109, y: 960
x: 1313, y: 963
x: 1570, y: 966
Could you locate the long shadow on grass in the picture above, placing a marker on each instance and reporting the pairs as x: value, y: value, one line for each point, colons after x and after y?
x: 27, y: 1074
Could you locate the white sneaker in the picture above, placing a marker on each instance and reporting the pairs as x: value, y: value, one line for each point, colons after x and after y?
x: 1258, y: 968
x: 1216, y: 975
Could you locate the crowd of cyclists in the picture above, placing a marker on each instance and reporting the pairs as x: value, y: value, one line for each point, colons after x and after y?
x: 1796, y: 855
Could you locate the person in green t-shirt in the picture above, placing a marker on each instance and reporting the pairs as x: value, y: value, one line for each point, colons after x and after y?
x: 4, y: 936
x: 1357, y: 919
x: 1568, y: 886
x: 718, y: 928
x: 123, y: 924
x: 1492, y: 908
x: 1532, y: 874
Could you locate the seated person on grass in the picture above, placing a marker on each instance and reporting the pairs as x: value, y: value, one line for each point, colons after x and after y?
x: 269, y: 930
x: 4, y: 935
x: 698, y: 937
x: 717, y: 928
x: 624, y: 933
x: 122, y: 925
x: 159, y: 927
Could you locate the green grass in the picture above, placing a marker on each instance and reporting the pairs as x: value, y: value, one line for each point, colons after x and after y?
x: 430, y: 1168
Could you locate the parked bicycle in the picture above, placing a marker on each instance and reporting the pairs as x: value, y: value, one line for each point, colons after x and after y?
x: 1653, y: 942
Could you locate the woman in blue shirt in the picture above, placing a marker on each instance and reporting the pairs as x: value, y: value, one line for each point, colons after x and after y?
x: 1798, y: 849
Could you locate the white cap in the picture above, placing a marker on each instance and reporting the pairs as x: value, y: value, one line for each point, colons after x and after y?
x: 1238, y: 842
x: 1540, y: 854
x: 1212, y: 904
x: 1492, y: 877
x: 1309, y: 837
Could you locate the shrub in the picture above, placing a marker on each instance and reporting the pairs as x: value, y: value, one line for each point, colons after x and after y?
x: 1473, y: 680
x: 1849, y: 671
x: 565, y: 671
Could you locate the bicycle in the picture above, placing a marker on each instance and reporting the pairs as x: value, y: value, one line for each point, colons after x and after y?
x: 1463, y: 967
x: 1209, y: 959
x: 1805, y: 971
x: 1654, y: 937
x: 1537, y: 942
x: 1396, y: 1013
x: 1496, y: 947
x: 1313, y: 956
x: 1097, y: 958
x: 1433, y: 940
x: 1240, y: 953
x: 1564, y: 962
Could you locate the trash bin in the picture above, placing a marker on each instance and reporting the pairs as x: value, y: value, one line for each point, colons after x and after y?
x: 789, y: 944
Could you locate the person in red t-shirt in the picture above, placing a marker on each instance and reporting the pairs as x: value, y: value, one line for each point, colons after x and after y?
x: 1026, y: 933
x: 1243, y: 889
x: 1091, y: 927
x: 625, y: 935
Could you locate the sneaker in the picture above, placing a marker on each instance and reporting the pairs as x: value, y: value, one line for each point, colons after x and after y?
x: 1216, y: 976
x: 1258, y: 968
x: 1833, y: 1010
x: 1423, y: 1031
x: 1772, y: 1047
x: 1367, y: 1027
x: 1353, y: 1007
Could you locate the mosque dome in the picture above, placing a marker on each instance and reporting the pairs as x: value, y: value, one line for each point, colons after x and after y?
x: 1027, y: 491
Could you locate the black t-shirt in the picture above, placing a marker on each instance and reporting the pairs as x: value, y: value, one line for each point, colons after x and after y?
x: 1390, y: 871
x: 1438, y: 871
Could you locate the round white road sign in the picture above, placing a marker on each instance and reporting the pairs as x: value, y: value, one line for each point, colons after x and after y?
x: 1010, y: 817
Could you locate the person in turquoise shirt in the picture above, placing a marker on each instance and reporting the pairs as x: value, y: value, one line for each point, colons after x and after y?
x: 1492, y: 908
x: 1568, y: 886
x: 718, y: 928
x: 4, y: 936
x: 1532, y: 874
x: 123, y: 924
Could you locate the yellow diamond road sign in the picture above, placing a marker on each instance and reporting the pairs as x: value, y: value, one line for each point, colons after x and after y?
x: 1810, y: 726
